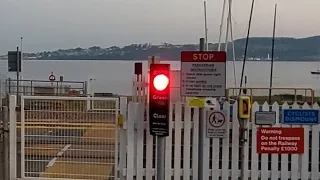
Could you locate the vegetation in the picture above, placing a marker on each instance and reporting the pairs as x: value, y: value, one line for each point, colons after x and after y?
x: 258, y: 49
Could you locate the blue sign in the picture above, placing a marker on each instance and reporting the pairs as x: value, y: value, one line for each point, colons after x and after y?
x: 300, y: 116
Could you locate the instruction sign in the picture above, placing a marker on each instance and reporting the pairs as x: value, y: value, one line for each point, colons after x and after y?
x: 265, y: 117
x: 195, y: 102
x: 217, y: 124
x: 201, y: 102
x: 279, y: 140
x: 300, y: 116
x: 203, y: 73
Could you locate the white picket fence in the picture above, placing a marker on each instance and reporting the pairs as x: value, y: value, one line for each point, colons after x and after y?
x: 221, y: 156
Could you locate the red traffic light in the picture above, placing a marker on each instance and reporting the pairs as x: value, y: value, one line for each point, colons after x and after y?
x: 160, y: 82
x: 159, y: 99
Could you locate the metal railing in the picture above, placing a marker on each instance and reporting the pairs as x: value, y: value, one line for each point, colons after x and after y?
x: 43, y: 88
x: 278, y: 94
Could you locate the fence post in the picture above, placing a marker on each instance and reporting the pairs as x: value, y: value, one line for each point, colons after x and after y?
x: 123, y: 137
x: 131, y: 153
x: 6, y: 161
x: 13, y: 136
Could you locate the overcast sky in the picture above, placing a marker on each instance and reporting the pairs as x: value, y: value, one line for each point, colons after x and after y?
x: 54, y: 24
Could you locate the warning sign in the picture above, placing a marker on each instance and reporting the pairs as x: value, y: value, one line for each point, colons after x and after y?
x: 280, y: 140
x: 217, y: 124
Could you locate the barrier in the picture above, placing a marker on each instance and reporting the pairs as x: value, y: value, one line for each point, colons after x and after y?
x: 58, y: 137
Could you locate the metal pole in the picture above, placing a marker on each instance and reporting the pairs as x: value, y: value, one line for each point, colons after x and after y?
x: 18, y: 74
x: 21, y: 45
x: 232, y: 43
x: 272, y: 52
x: 243, y: 122
x: 246, y: 46
x: 160, y: 150
x: 201, y: 128
x: 221, y: 24
x: 227, y: 30
x: 161, y: 141
x: 205, y: 24
x: 6, y: 162
x: 243, y: 140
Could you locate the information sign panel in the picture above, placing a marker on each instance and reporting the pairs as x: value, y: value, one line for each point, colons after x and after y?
x: 300, y: 116
x: 265, y: 117
x: 203, y: 74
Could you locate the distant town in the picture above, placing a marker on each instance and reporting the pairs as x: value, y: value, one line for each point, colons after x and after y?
x: 259, y: 48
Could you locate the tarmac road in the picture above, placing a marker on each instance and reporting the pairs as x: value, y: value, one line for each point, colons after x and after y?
x: 70, y: 152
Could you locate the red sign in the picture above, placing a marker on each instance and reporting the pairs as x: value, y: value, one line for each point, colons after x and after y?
x: 52, y: 77
x: 207, y: 56
x: 279, y: 140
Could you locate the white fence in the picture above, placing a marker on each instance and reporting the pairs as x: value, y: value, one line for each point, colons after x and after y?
x: 221, y: 156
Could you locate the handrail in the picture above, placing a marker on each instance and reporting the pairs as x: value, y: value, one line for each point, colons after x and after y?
x: 251, y: 89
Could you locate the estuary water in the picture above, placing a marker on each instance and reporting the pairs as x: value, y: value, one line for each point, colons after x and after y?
x: 115, y: 76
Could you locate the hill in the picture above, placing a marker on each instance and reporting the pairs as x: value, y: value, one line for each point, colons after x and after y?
x: 258, y: 49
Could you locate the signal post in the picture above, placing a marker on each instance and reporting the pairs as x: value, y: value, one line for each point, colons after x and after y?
x: 244, y: 113
x: 159, y: 110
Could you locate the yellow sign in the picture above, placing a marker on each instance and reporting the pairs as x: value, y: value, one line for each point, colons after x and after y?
x: 196, y: 102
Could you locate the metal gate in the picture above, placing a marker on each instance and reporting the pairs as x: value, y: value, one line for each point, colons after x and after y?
x: 64, y: 137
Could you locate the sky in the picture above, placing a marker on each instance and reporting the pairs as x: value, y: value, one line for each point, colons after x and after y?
x: 59, y: 24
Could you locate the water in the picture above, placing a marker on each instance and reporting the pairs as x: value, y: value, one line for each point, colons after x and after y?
x: 116, y: 76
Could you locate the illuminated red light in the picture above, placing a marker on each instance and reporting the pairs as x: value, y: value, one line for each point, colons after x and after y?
x: 160, y: 82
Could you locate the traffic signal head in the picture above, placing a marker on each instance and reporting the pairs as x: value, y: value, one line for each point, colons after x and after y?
x: 160, y: 79
x: 160, y: 82
x: 244, y: 107
x: 159, y: 99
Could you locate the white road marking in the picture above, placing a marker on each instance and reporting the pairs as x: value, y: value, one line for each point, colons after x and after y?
x: 64, y: 149
x: 52, y: 162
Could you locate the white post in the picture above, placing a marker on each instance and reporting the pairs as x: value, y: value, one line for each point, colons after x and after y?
x: 131, y: 151
x: 13, y: 136
x: 90, y: 93
x: 123, y: 137
x: 23, y: 135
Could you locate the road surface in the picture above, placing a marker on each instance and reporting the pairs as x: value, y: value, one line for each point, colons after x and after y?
x: 69, y: 151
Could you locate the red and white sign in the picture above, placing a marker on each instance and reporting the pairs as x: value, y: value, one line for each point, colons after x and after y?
x: 206, y: 56
x: 52, y: 77
x: 203, y: 74
x: 277, y: 140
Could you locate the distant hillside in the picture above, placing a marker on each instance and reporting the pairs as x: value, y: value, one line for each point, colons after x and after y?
x: 258, y: 49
